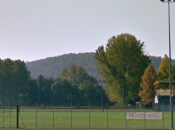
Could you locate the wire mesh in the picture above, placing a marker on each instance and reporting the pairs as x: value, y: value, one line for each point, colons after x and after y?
x: 91, y: 115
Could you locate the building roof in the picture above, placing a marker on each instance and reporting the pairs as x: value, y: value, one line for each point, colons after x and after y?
x: 164, y: 82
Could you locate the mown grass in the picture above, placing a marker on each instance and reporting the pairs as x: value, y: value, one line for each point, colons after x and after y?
x: 78, y: 119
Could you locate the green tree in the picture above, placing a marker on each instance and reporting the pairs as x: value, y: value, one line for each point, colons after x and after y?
x: 14, y: 78
x: 21, y: 77
x: 62, y: 92
x: 148, y: 90
x: 173, y: 71
x: 76, y: 75
x: 40, y: 84
x: 90, y: 92
x: 163, y: 72
x: 122, y: 62
x: 32, y: 92
x: 86, y: 87
x: 46, y: 91
x: 6, y: 81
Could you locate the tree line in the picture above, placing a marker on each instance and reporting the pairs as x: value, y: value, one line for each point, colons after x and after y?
x: 73, y: 85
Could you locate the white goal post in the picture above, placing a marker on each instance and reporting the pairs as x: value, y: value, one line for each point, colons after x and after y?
x: 139, y: 105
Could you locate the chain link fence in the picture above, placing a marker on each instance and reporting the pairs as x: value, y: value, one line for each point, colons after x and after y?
x: 92, y: 115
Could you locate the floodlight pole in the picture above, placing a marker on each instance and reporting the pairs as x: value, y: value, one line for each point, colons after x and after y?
x: 170, y: 80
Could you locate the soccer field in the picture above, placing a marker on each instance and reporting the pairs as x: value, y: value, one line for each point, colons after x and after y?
x: 79, y: 119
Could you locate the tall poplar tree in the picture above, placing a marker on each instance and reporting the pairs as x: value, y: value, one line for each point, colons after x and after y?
x: 122, y: 63
x: 163, y: 71
x: 148, y: 79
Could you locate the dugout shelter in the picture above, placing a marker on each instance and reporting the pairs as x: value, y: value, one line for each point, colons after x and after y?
x: 163, y: 96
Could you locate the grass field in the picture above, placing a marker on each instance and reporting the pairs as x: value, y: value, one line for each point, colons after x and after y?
x: 78, y: 119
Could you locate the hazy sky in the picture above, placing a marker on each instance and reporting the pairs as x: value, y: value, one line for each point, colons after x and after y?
x: 36, y: 29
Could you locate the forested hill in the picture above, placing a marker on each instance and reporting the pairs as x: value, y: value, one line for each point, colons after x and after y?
x: 52, y: 66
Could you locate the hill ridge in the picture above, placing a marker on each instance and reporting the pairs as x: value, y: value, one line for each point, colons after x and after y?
x: 52, y: 66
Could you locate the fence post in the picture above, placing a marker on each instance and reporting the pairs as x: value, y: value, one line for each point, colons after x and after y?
x: 71, y: 115
x: 163, y: 113
x: 125, y: 116
x: 3, y: 114
x: 10, y: 116
x: 53, y: 114
x: 107, y: 113
x: 17, y: 116
x: 89, y: 115
x: 144, y: 117
x: 57, y: 106
x: 36, y: 114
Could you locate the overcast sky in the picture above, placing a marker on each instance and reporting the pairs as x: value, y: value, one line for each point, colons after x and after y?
x: 36, y: 29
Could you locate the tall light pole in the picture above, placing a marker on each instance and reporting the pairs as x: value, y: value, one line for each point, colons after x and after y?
x: 170, y: 80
